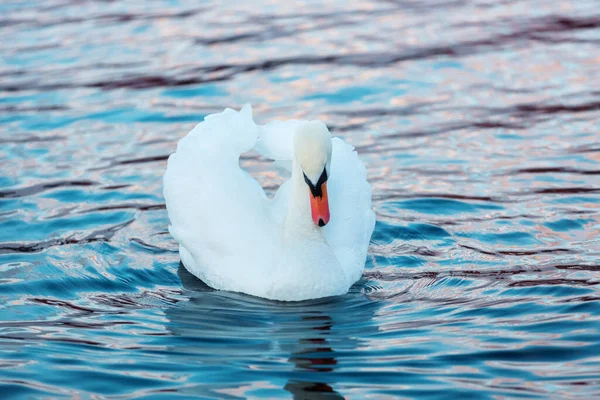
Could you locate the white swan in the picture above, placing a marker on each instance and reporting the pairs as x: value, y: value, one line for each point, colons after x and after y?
x: 309, y: 241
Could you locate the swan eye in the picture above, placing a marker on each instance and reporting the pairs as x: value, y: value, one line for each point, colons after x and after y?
x: 316, y: 190
x: 322, y: 178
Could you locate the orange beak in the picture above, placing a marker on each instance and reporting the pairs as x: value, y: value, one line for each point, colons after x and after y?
x: 319, y: 207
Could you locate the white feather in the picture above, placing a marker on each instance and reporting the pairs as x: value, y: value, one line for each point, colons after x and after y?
x: 234, y: 238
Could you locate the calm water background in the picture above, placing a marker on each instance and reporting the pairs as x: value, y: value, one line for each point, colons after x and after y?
x: 479, y: 123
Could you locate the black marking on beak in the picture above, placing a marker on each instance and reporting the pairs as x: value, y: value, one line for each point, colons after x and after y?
x: 321, y: 223
x: 317, y: 190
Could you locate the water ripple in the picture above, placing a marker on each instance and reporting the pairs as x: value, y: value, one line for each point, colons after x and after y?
x: 478, y: 123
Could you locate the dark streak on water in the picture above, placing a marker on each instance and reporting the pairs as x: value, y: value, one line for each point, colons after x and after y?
x: 479, y: 122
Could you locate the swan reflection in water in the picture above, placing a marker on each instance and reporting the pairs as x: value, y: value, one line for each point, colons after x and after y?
x: 235, y: 338
x: 316, y: 355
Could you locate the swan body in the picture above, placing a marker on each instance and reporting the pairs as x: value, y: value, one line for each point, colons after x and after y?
x: 309, y: 241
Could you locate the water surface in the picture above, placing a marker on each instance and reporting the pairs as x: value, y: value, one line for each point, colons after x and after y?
x: 479, y: 124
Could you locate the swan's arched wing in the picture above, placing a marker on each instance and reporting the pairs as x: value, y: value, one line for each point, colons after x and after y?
x: 276, y: 140
x: 203, y: 185
x: 352, y: 219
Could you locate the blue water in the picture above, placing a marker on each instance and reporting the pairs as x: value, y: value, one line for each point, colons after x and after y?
x: 479, y: 124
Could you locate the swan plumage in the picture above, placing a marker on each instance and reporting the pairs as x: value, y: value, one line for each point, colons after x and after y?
x: 234, y: 237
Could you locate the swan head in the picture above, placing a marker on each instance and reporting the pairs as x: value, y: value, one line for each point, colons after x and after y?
x: 312, y: 148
